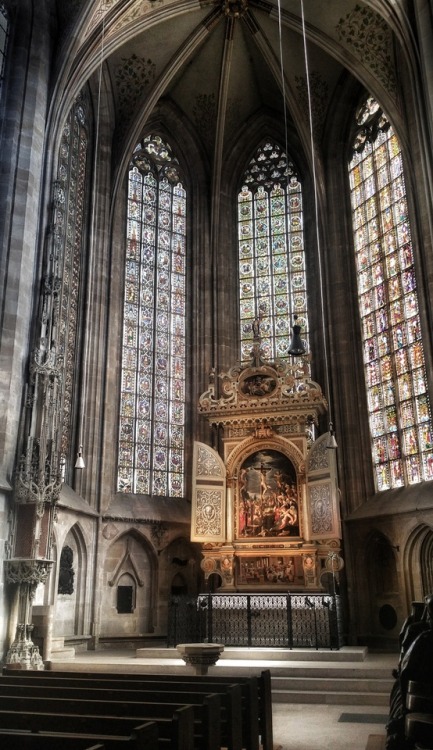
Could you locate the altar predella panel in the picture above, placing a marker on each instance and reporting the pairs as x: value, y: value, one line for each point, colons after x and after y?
x: 270, y: 569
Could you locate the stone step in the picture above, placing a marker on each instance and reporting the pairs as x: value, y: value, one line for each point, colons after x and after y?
x: 356, y: 686
x: 350, y: 676
x: 63, y: 653
x: 332, y: 672
x: 324, y: 683
x: 345, y: 654
x: 345, y: 677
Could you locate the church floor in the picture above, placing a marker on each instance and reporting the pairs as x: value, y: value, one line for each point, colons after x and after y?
x: 297, y: 726
x: 322, y: 727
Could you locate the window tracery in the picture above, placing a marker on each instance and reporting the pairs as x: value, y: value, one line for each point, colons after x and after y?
x: 272, y: 274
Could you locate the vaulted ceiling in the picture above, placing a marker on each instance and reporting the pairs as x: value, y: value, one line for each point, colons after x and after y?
x: 221, y: 62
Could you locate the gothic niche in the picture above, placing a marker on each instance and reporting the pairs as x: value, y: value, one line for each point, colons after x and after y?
x: 268, y: 496
x: 66, y: 573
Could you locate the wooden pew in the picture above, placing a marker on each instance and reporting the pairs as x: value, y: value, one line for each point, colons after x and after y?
x: 257, y: 697
x: 419, y: 717
x: 419, y: 729
x: 17, y: 740
x: 256, y: 693
x: 175, y: 722
x: 221, y: 724
x: 139, y: 736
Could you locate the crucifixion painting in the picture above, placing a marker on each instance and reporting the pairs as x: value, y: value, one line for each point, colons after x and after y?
x: 268, y: 503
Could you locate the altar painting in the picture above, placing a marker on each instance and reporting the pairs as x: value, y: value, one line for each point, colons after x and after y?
x: 284, y: 569
x: 268, y: 504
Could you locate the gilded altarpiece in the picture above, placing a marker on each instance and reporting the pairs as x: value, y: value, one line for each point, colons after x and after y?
x: 267, y: 510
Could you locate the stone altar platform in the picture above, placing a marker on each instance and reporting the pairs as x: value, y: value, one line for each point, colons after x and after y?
x: 349, y: 676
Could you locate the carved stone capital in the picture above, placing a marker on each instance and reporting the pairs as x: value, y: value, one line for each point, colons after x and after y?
x: 30, y: 571
x: 39, y: 492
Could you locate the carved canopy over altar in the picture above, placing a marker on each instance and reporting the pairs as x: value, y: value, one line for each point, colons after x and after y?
x: 266, y: 511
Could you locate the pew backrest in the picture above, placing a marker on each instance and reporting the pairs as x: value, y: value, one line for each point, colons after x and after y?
x: 175, y: 722
x: 256, y: 692
x: 220, y: 715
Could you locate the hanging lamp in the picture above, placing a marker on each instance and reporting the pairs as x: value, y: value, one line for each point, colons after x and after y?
x: 79, y: 463
x: 297, y: 347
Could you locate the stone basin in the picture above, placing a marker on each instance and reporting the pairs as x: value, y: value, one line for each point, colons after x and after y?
x: 201, y: 656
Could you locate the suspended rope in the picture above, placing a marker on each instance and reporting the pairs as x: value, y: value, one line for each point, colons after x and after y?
x: 283, y: 88
x: 332, y: 443
x: 80, y: 464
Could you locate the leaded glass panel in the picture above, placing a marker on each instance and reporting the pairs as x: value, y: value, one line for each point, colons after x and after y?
x: 67, y: 253
x: 272, y: 278
x: 152, y: 414
x: 399, y: 408
x: 4, y: 34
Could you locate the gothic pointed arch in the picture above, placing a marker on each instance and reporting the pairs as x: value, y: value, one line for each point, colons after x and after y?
x: 72, y: 614
x: 418, y: 563
x: 130, y: 558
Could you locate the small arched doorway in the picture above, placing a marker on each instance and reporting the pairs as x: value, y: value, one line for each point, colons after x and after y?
x: 383, y: 588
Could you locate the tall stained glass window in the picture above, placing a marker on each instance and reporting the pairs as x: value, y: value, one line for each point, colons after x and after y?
x: 399, y: 408
x: 4, y: 32
x: 272, y: 281
x: 69, y: 216
x: 152, y: 402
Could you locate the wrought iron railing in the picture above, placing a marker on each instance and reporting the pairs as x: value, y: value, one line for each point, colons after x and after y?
x: 251, y: 620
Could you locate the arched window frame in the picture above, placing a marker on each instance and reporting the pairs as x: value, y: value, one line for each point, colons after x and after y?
x: 399, y: 409
x: 272, y: 266
x: 152, y: 399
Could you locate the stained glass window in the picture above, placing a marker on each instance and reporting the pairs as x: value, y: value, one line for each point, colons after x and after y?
x: 272, y: 280
x: 152, y: 402
x: 399, y: 409
x: 4, y: 32
x: 67, y: 255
